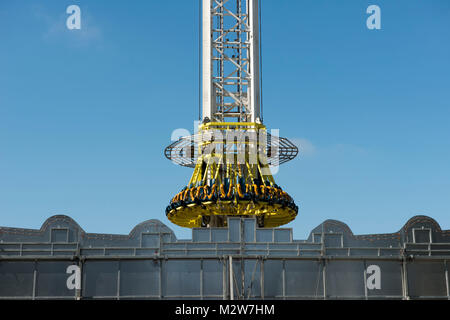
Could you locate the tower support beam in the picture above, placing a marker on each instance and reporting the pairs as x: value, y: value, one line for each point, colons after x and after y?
x: 254, y: 88
x: 207, y: 66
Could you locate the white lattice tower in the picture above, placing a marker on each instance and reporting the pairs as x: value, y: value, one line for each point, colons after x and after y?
x: 231, y: 63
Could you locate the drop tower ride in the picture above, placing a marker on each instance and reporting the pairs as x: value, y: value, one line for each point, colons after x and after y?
x: 232, y: 153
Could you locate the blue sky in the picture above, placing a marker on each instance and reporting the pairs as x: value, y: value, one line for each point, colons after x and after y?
x: 85, y: 114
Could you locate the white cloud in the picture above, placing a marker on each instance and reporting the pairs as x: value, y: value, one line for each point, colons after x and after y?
x: 305, y: 147
x: 308, y: 149
x: 348, y: 148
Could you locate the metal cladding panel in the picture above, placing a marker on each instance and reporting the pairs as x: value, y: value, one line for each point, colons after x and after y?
x: 181, y: 278
x: 139, y: 278
x: 234, y: 229
x: 253, y: 279
x: 51, y: 279
x: 263, y: 235
x: 249, y: 230
x: 426, y: 279
x: 282, y: 235
x: 345, y: 279
x: 59, y: 235
x: 273, y: 279
x: 212, y: 281
x: 100, y: 279
x: 218, y: 235
x: 201, y: 235
x: 334, y: 240
x: 390, y: 280
x: 16, y: 279
x: 150, y: 240
x: 304, y: 278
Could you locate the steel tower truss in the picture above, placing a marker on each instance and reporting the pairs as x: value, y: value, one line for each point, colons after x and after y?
x: 231, y: 82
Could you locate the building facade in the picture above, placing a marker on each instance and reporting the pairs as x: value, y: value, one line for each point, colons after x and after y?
x: 241, y: 261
